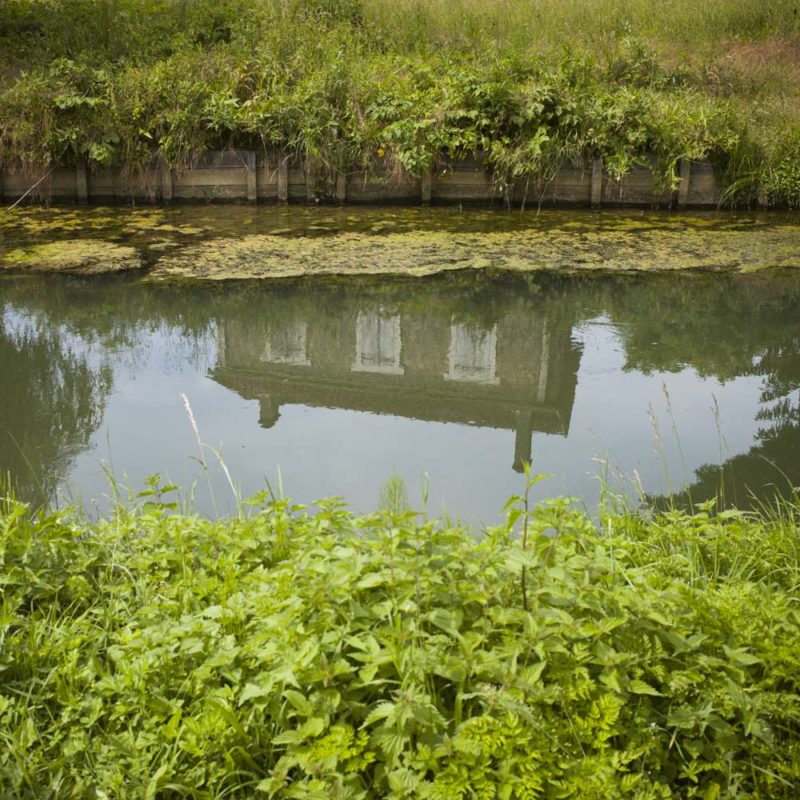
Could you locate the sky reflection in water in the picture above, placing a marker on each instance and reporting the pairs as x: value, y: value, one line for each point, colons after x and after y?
x: 646, y: 382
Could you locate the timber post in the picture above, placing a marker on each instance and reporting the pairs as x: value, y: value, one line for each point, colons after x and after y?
x: 341, y: 187
x: 283, y: 179
x: 426, y: 188
x: 166, y: 183
x: 597, y: 182
x: 311, y: 180
x: 81, y: 182
x: 683, y: 185
x: 252, y: 176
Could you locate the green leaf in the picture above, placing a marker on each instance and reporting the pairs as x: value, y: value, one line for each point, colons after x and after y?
x: 381, y: 711
x: 741, y: 656
x: 299, y: 701
x: 252, y: 690
x: 641, y: 687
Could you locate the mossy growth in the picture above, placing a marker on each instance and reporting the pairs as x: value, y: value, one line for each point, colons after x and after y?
x: 269, y: 242
x: 421, y: 253
x: 75, y: 257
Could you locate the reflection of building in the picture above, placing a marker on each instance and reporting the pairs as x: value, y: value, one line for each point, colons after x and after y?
x: 287, y: 345
x: 518, y: 372
x: 472, y: 355
x: 378, y: 343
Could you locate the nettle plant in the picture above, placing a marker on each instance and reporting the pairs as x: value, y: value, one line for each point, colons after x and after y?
x: 297, y: 655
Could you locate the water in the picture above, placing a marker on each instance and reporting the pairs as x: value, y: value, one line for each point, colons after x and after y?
x: 674, y: 385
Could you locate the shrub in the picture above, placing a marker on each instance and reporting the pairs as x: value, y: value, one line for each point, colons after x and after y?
x: 298, y: 655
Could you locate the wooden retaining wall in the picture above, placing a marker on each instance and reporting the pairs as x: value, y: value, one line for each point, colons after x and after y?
x: 247, y: 176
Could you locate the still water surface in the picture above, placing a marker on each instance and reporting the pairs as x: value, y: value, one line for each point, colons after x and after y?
x: 661, y: 385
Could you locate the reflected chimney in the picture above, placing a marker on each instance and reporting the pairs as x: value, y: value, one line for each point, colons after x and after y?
x: 270, y: 411
x: 523, y: 434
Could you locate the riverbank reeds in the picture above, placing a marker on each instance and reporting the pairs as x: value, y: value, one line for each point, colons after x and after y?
x: 529, y: 86
x: 292, y: 654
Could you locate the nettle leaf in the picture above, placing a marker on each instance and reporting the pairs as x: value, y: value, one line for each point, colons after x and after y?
x: 611, y: 678
x: 299, y: 702
x: 382, y: 711
x: 533, y: 673
x: 514, y: 500
x: 253, y: 690
x: 741, y: 656
x: 372, y: 580
x: 446, y: 620
x: 518, y: 558
x: 308, y: 730
x: 638, y: 686
x: 684, y: 717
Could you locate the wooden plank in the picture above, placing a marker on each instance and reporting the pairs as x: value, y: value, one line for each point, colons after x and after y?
x: 61, y: 185
x: 311, y: 180
x: 167, y: 184
x: 635, y: 189
x: 466, y: 192
x: 81, y: 182
x: 685, y: 181
x: 267, y: 178
x: 102, y: 185
x: 464, y: 178
x: 596, y: 195
x: 252, y: 182
x: 341, y: 187
x: 15, y: 184
x: 703, y: 189
x: 571, y: 186
x: 366, y: 188
x: 101, y: 180
x: 208, y: 193
x: 246, y: 175
x: 283, y: 180
x: 210, y: 178
x: 426, y: 188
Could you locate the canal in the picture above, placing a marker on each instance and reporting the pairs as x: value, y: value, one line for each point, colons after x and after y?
x: 649, y: 387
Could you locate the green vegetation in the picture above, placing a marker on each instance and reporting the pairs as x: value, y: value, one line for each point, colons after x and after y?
x: 528, y: 85
x: 296, y: 655
x: 76, y: 256
x: 246, y: 243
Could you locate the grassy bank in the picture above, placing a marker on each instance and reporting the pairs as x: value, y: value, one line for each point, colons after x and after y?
x: 299, y: 655
x: 529, y: 84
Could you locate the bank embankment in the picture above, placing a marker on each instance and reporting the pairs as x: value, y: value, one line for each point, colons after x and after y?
x: 125, y: 101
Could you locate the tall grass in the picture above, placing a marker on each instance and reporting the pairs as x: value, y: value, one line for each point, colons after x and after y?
x: 127, y: 28
x: 529, y: 25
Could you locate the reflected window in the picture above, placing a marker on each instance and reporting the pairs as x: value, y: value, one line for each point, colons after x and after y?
x: 287, y: 345
x: 473, y: 354
x: 378, y: 343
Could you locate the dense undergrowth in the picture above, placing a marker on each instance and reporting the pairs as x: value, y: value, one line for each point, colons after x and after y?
x: 292, y: 654
x: 528, y: 85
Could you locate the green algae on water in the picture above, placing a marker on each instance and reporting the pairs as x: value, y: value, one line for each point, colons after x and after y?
x: 240, y: 242
x: 420, y: 253
x: 74, y: 257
